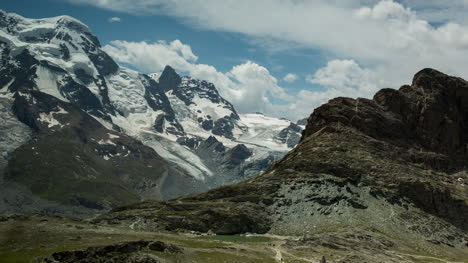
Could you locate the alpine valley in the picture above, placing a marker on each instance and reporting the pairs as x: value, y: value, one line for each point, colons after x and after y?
x: 105, y: 164
x: 80, y: 134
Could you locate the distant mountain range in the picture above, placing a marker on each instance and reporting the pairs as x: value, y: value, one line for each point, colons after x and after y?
x: 81, y: 134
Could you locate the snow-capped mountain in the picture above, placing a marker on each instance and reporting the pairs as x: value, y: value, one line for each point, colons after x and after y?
x: 64, y: 59
x: 58, y: 85
x: 216, y: 133
x: 203, y: 112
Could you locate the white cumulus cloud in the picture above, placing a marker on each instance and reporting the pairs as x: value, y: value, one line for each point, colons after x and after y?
x: 371, y: 43
x: 249, y: 86
x: 381, y: 33
x: 290, y: 77
x: 114, y: 19
x: 345, y: 75
x: 152, y: 57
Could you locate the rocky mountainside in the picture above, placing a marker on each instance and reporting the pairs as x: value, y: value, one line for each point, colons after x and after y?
x: 81, y: 134
x: 389, y: 170
x: 56, y: 93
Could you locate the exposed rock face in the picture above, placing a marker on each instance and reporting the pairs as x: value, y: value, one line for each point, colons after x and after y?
x: 225, y: 218
x: 237, y: 155
x: 429, y: 116
x: 211, y: 145
x: 302, y: 122
x: 394, y: 164
x: 123, y: 252
x: 13, y: 133
x: 169, y: 79
x: 432, y: 114
x: 290, y: 135
x: 231, y: 162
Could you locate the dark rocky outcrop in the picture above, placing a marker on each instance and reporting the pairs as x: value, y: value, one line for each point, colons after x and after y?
x: 133, y: 251
x: 207, y: 124
x: 431, y: 114
x: 169, y: 79
x: 237, y: 155
x: 224, y: 218
x: 431, y: 117
x: 223, y: 127
x: 158, y: 101
x: 211, y: 145
x: 302, y: 122
x: 191, y: 143
x: 290, y: 135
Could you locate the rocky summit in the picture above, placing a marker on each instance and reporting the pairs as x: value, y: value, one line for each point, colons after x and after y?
x: 389, y: 170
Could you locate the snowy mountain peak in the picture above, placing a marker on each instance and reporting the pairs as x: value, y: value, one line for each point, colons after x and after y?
x: 199, y: 107
x: 204, y: 113
x: 193, y: 90
x: 46, y: 29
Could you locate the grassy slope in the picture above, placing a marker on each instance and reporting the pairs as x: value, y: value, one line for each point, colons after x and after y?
x: 23, y: 238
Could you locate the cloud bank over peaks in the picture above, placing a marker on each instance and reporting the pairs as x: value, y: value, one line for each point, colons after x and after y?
x: 249, y: 86
x: 152, y: 57
x: 371, y: 44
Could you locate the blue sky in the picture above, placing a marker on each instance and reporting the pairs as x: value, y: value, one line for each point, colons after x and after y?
x: 333, y: 48
x: 220, y: 49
